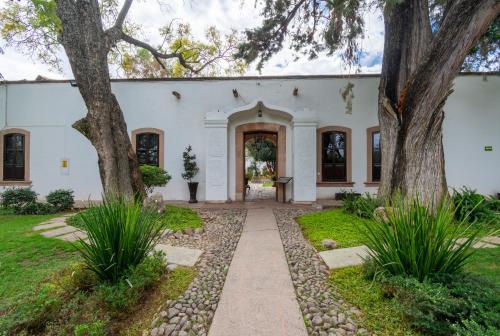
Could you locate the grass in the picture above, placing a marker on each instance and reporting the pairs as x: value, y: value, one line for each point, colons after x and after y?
x: 486, y: 262
x: 380, y: 314
x: 27, y: 258
x: 268, y: 184
x: 174, y: 218
x: 334, y: 224
x: 178, y: 218
x: 176, y: 284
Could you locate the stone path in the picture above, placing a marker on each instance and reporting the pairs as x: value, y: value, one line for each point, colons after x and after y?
x: 353, y: 256
x: 258, y: 297
x: 258, y: 192
x: 57, y: 228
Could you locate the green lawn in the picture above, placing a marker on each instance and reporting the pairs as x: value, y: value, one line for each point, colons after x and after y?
x: 175, y: 218
x: 334, y: 224
x: 26, y: 258
x: 486, y: 262
x: 178, y: 218
x: 380, y: 315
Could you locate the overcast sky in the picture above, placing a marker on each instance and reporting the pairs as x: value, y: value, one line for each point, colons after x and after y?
x: 225, y: 15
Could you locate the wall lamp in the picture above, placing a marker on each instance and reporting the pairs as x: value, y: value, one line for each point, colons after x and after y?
x: 176, y: 94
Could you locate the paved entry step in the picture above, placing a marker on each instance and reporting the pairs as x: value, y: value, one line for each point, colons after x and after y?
x: 179, y: 255
x: 344, y: 257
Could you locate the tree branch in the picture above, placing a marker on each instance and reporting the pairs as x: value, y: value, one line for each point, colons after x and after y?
x: 123, y: 14
x: 83, y: 126
x: 159, y: 55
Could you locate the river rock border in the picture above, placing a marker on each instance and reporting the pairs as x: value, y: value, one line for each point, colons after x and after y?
x: 193, y: 311
x: 324, y: 314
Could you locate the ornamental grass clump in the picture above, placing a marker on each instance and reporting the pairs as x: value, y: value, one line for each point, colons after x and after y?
x: 121, y: 234
x: 419, y: 241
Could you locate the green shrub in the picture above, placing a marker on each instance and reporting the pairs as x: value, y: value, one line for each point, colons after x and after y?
x: 61, y: 199
x: 34, y: 208
x: 447, y: 304
x: 121, y: 233
x: 130, y: 288
x: 417, y: 241
x: 82, y: 279
x: 349, y: 201
x: 18, y: 196
x: 361, y: 206
x: 472, y: 328
x: 472, y: 207
x: 153, y: 176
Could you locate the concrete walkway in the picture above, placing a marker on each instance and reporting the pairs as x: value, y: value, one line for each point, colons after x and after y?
x: 258, y: 298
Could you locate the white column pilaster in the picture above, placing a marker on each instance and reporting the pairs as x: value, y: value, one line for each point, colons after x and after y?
x: 304, y: 161
x: 216, y: 161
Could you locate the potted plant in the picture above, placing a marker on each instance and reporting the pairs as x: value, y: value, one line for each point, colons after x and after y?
x: 190, y: 171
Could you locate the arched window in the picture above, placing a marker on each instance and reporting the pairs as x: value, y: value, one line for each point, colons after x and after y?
x: 374, y: 159
x: 148, y: 145
x: 14, y: 156
x: 334, y: 156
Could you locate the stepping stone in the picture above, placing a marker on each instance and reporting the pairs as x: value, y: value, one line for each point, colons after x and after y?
x: 48, y: 225
x: 484, y: 243
x: 344, y: 257
x: 178, y: 255
x: 491, y: 240
x: 74, y: 236
x: 59, y: 232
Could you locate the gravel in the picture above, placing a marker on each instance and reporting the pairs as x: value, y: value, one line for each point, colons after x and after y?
x: 324, y: 313
x: 193, y: 311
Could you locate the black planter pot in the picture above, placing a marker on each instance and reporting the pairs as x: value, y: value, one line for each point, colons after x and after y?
x: 193, y: 188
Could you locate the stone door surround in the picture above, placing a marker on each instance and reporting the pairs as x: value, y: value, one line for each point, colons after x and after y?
x: 280, y: 130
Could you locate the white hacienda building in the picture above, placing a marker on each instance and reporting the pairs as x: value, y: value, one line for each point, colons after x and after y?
x: 306, y: 116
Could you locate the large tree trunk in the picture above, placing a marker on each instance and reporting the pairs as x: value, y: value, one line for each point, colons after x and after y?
x: 417, y: 74
x: 87, y: 47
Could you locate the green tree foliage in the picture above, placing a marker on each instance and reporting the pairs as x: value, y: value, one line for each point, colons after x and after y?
x: 32, y: 27
x: 263, y: 150
x: 153, y: 176
x: 331, y: 26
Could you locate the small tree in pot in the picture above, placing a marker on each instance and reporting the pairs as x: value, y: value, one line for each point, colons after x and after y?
x: 190, y: 171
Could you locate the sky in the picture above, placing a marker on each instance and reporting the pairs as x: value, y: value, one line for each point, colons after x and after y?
x: 225, y: 15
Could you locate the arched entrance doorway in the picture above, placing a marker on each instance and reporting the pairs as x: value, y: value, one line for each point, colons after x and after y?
x: 247, y: 131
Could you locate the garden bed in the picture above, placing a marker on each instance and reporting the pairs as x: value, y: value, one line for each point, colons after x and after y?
x: 445, y: 304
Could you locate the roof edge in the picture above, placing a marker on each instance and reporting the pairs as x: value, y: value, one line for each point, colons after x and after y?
x: 200, y: 79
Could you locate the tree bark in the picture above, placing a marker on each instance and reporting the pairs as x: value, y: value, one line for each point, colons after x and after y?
x: 418, y: 70
x: 87, y: 46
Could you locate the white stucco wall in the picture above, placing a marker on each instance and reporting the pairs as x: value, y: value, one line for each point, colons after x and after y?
x: 47, y: 110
